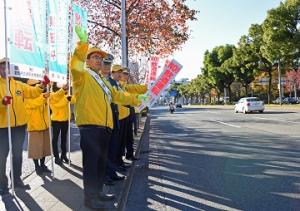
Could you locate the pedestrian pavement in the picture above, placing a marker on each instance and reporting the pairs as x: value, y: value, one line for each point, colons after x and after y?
x: 64, y: 191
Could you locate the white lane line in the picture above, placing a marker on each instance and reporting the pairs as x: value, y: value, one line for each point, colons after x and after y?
x: 224, y: 123
x: 261, y: 118
x: 278, y: 120
x: 212, y: 112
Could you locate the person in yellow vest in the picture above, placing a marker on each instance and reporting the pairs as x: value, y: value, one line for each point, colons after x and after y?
x: 59, y: 104
x: 111, y: 175
x: 126, y: 136
x: 123, y: 112
x: 136, y: 124
x: 18, y: 120
x: 133, y: 89
x: 38, y: 130
x: 93, y: 115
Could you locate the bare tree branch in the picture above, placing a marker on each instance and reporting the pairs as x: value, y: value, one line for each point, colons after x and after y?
x: 106, y: 27
x: 115, y: 3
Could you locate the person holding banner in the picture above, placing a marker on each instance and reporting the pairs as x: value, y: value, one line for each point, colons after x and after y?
x: 95, y: 93
x: 59, y: 104
x: 38, y: 130
x: 19, y: 91
x: 133, y: 89
x: 114, y: 145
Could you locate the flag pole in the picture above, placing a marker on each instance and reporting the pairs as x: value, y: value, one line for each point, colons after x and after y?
x: 48, y: 90
x: 8, y: 106
x: 69, y: 81
x: 123, y: 34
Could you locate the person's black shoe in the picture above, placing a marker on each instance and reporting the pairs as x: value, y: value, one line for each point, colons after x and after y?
x: 118, y: 178
x: 125, y: 165
x: 4, y: 191
x: 20, y: 184
x: 94, y: 203
x: 45, y: 169
x: 106, y: 197
x: 64, y: 159
x: 109, y: 182
x: 132, y: 158
x: 122, y: 169
x: 58, y: 161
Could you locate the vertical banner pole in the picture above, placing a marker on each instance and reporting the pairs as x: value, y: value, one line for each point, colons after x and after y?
x: 123, y: 33
x: 48, y: 87
x: 69, y: 81
x: 8, y: 106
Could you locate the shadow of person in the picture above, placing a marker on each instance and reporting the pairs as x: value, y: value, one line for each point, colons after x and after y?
x: 70, y: 171
x: 19, y: 201
x: 65, y: 191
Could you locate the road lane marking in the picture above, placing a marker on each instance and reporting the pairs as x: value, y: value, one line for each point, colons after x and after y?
x: 212, y: 112
x: 261, y: 118
x: 276, y: 120
x: 224, y: 123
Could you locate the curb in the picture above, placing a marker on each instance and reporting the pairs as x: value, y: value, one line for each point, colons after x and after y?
x: 124, y: 195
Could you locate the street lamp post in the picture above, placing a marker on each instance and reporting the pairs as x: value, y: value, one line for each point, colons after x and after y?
x: 279, y: 83
x: 123, y: 33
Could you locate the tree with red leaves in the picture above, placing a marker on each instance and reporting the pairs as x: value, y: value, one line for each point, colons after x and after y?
x: 293, y: 81
x: 153, y: 26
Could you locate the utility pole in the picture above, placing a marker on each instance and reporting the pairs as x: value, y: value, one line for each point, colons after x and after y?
x: 279, y: 83
x: 123, y: 34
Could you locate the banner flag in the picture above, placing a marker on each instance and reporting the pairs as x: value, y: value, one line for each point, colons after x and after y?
x: 58, y: 23
x: 27, y: 38
x: 171, y: 69
x: 79, y: 18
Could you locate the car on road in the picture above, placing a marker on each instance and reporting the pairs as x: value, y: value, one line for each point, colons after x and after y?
x: 249, y: 104
x: 290, y: 100
x: 277, y: 101
x: 178, y: 105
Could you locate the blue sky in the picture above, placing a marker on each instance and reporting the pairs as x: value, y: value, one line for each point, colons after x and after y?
x: 219, y: 22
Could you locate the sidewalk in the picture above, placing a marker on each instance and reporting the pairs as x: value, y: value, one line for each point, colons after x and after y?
x: 65, y: 191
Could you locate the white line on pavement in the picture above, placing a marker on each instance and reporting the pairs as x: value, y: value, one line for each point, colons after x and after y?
x: 212, y: 112
x: 276, y: 120
x: 224, y: 123
x: 261, y: 118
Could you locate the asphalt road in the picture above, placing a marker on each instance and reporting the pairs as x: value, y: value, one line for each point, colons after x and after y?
x: 213, y: 159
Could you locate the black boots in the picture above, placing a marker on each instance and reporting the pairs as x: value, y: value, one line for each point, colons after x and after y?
x: 58, y: 161
x: 37, y: 166
x: 40, y: 168
x: 64, y: 158
x: 43, y: 166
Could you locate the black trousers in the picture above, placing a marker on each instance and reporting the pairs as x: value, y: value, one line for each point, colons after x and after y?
x: 94, y: 143
x: 62, y: 128
x: 123, y: 137
x: 114, y: 148
x: 129, y: 139
x: 17, y: 138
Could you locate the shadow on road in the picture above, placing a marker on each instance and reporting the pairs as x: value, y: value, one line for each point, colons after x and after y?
x: 195, y: 169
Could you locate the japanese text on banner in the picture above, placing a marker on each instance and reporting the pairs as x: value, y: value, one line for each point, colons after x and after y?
x: 171, y: 69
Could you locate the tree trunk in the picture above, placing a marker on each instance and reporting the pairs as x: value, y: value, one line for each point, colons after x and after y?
x: 246, y: 89
x: 229, y: 93
x: 295, y: 90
